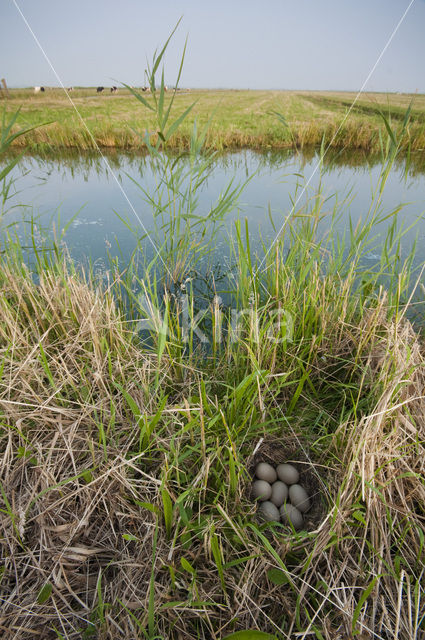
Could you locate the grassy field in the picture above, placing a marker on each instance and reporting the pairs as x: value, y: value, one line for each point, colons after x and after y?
x: 239, y: 119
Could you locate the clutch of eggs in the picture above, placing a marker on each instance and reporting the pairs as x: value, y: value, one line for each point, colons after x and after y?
x: 279, y: 495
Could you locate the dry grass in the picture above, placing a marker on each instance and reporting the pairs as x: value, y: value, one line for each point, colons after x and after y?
x: 84, y: 508
x: 71, y: 497
x: 379, y: 514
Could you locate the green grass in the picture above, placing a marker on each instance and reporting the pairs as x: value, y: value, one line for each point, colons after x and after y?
x: 126, y: 464
x: 240, y: 119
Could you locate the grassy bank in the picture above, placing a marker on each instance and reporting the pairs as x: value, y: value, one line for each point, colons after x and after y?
x: 240, y: 119
x: 126, y: 469
x: 128, y: 451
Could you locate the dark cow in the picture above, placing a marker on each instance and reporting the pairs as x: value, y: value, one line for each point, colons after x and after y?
x: 114, y: 89
x: 100, y: 89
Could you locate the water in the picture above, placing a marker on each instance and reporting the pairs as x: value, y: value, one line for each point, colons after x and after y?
x: 80, y: 191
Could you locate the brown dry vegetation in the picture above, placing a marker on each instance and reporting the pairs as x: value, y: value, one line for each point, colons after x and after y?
x: 84, y: 487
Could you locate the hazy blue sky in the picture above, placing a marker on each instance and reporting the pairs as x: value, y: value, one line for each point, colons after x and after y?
x: 286, y: 44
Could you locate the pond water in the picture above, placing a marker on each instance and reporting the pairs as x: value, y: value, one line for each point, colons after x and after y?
x: 94, y: 198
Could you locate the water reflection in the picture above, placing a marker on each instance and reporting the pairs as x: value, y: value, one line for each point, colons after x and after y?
x: 85, y: 164
x: 79, y: 191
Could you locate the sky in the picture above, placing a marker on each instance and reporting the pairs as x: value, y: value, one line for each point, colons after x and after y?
x: 272, y: 44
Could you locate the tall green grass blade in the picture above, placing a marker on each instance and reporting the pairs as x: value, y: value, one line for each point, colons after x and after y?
x: 148, y: 426
x: 366, y: 593
x: 187, y: 566
x: 218, y: 558
x: 161, y: 103
x: 139, y: 97
x: 177, y: 83
x: 8, y: 168
x: 233, y: 479
x: 46, y: 366
x: 176, y: 124
x: 157, y: 59
x: 167, y: 509
x: 132, y: 404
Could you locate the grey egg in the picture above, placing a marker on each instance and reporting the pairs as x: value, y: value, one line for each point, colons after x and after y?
x: 261, y: 490
x: 268, y: 511
x: 287, y: 473
x: 279, y: 493
x: 290, y: 515
x: 265, y: 471
x: 299, y: 498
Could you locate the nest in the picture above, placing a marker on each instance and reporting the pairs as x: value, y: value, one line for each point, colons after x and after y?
x: 292, y: 450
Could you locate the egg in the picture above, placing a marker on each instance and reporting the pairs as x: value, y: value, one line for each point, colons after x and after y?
x: 261, y: 490
x: 287, y: 473
x: 290, y: 515
x: 265, y: 471
x: 268, y: 511
x: 299, y: 498
x: 279, y: 493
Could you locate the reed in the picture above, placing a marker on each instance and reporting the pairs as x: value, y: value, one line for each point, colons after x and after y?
x: 126, y: 463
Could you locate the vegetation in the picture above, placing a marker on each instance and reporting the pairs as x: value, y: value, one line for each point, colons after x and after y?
x: 126, y: 463
x: 241, y: 119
